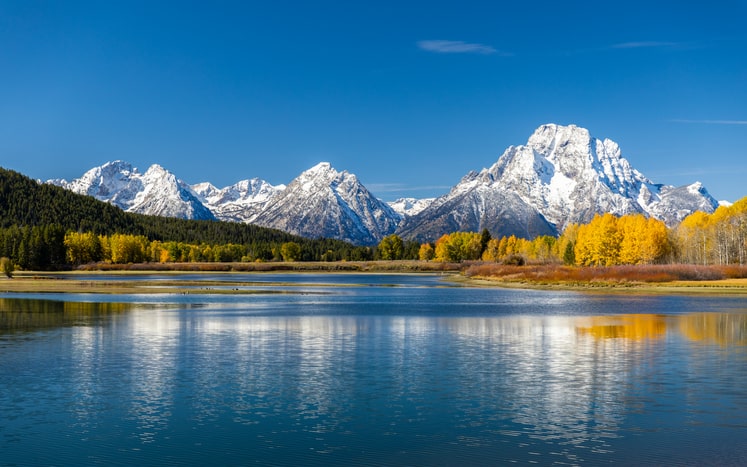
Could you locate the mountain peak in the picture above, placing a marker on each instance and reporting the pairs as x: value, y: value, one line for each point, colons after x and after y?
x: 320, y: 166
x: 322, y: 202
x: 548, y: 137
x: 156, y: 192
x: 119, y: 164
x: 324, y: 170
x: 562, y: 175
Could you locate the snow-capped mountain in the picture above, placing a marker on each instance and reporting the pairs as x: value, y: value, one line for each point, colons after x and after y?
x: 472, y: 205
x: 322, y: 202
x: 410, y: 206
x: 562, y: 175
x: 156, y: 192
x: 240, y: 202
x: 565, y: 176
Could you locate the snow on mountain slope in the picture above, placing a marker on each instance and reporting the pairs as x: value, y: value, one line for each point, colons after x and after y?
x: 156, y: 192
x: 240, y: 202
x: 472, y: 205
x: 322, y: 202
x: 410, y: 206
x: 561, y: 176
x: 569, y: 176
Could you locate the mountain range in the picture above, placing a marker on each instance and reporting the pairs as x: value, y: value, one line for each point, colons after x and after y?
x: 562, y: 175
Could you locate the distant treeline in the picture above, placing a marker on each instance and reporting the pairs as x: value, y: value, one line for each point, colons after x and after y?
x: 47, y: 227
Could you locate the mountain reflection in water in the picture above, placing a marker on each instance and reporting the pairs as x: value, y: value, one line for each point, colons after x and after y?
x: 221, y: 384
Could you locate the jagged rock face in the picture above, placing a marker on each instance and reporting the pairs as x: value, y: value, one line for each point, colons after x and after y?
x: 561, y: 176
x: 156, y: 192
x: 472, y: 205
x: 569, y: 176
x: 240, y: 202
x: 322, y: 202
x: 676, y: 203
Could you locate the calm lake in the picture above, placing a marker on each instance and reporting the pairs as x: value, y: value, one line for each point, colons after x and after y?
x: 367, y: 369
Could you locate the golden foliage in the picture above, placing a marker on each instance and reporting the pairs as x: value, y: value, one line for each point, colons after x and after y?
x: 609, y: 240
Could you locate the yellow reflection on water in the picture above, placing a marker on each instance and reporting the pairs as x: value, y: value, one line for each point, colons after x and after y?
x: 722, y: 328
x: 18, y: 314
x: 636, y: 326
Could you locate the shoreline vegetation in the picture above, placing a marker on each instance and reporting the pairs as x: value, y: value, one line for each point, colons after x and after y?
x: 657, y: 279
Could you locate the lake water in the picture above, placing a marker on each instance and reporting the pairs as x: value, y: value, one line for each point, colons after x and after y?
x: 353, y: 369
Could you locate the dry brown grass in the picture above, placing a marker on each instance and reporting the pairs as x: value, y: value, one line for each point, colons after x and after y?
x: 549, y: 274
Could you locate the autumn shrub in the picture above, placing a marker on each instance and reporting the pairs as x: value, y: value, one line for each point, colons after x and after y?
x: 515, y: 260
x: 609, y: 274
x: 734, y: 272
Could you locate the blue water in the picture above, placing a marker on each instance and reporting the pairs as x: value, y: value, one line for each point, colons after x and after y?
x: 375, y: 370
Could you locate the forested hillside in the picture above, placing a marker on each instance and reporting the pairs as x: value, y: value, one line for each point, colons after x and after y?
x: 24, y: 202
x: 35, y: 219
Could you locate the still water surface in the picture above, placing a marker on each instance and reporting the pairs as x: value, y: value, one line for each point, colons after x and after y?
x: 372, y: 369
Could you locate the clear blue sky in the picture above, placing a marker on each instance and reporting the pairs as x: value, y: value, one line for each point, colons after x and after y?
x: 409, y: 95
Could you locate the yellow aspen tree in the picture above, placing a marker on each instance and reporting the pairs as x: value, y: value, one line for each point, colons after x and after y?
x: 502, y: 248
x: 491, y: 251
x: 607, y: 241
x: 583, y: 247
x: 442, y: 249
x: 426, y: 252
x: 655, y: 244
x: 693, y: 239
x: 632, y: 231
x: 163, y: 256
x: 470, y: 245
x: 511, y: 246
x: 599, y: 242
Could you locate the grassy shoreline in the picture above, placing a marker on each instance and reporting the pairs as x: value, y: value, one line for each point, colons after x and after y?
x: 713, y: 287
x: 653, y: 279
x: 631, y: 279
x: 68, y: 282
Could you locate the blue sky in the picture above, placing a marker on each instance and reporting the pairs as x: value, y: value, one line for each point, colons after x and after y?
x: 409, y: 95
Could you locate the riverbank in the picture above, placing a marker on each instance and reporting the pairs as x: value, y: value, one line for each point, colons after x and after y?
x: 659, y: 279
x: 184, y: 278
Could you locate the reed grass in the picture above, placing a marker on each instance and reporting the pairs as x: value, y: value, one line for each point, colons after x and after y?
x: 659, y: 273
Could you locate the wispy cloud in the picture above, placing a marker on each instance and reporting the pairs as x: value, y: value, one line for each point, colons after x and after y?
x: 644, y: 45
x: 711, y: 122
x: 459, y: 47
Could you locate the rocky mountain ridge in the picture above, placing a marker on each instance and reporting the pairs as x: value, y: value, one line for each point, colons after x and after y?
x: 156, y: 192
x: 562, y: 175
